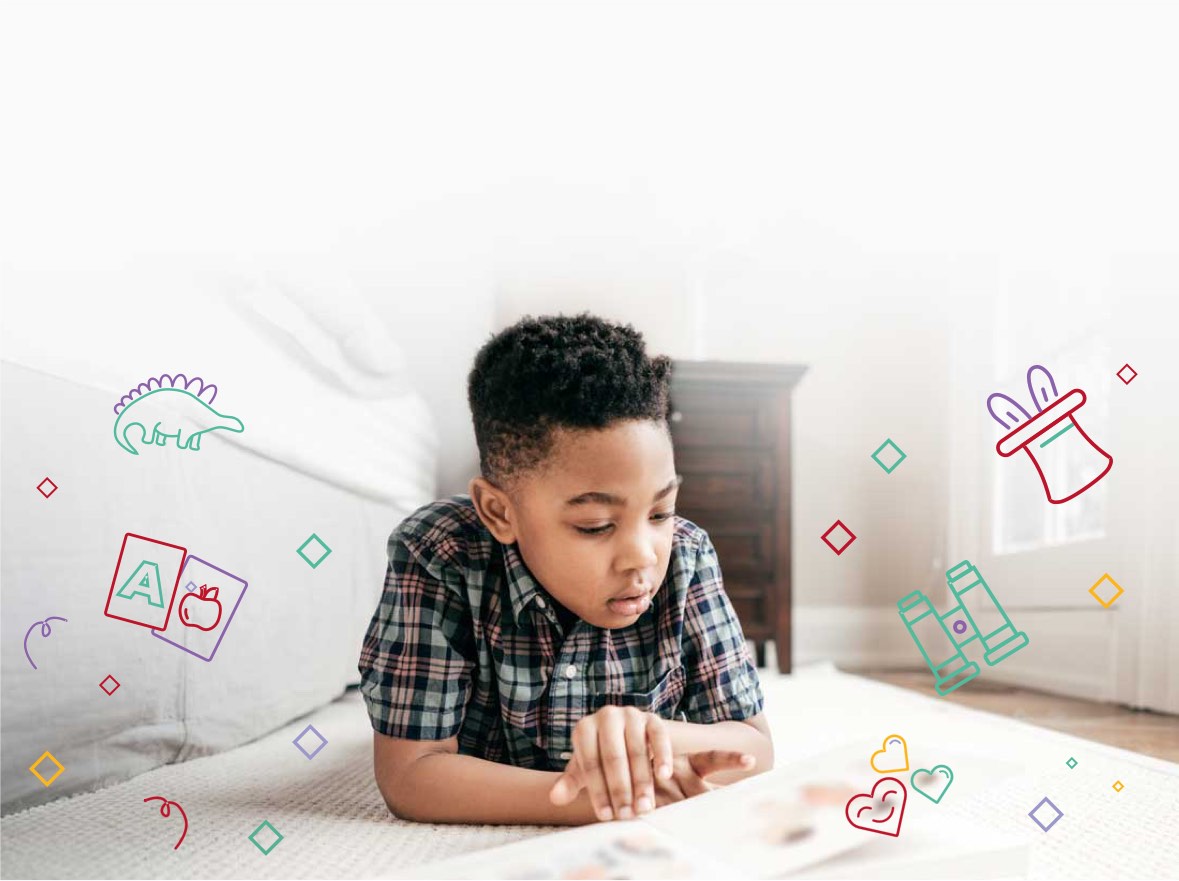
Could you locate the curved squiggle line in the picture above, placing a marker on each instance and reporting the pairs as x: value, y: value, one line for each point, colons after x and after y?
x: 46, y: 630
x: 166, y: 811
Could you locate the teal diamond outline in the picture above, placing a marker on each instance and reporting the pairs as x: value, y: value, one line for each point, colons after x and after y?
x: 1072, y: 763
x: 277, y: 840
x: 306, y: 559
x: 889, y: 442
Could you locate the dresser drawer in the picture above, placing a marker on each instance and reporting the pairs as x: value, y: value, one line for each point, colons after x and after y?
x: 725, y: 479
x: 744, y: 544
x: 752, y: 600
x: 712, y: 419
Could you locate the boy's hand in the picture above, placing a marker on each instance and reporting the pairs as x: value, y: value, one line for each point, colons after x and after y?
x: 689, y: 771
x: 614, y: 753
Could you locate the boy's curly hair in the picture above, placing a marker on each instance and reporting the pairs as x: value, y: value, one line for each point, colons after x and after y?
x: 553, y: 372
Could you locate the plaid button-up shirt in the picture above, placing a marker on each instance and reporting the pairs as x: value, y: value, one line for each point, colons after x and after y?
x: 465, y: 641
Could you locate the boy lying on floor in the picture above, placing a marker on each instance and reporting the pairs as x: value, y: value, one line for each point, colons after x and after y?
x: 557, y: 647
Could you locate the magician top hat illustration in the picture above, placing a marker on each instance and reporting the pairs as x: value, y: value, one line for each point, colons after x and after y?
x: 1053, y: 433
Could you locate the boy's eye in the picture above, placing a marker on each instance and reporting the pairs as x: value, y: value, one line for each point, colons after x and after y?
x: 593, y: 530
x: 658, y: 517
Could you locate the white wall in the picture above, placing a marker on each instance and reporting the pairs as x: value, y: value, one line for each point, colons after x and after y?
x: 810, y: 182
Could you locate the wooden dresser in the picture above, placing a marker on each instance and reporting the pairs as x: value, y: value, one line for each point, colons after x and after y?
x: 731, y: 426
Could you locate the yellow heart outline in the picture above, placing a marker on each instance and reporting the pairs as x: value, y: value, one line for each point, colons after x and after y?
x: 884, y: 751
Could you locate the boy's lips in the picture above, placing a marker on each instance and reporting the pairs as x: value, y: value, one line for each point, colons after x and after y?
x: 631, y: 593
x: 631, y: 601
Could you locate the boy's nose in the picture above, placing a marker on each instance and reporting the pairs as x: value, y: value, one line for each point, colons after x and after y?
x: 637, y: 554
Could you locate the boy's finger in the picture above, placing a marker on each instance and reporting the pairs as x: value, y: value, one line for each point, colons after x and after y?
x: 714, y: 760
x: 565, y: 789
x: 660, y: 743
x: 642, y: 787
x: 585, y: 753
x: 615, y: 762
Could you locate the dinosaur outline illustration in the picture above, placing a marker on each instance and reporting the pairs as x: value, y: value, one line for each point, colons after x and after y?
x: 147, y: 408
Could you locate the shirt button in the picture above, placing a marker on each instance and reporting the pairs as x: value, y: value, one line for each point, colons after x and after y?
x: 540, y: 602
x: 570, y: 671
x: 566, y: 755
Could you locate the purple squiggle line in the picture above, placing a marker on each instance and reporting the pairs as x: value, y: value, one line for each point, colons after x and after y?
x: 46, y: 630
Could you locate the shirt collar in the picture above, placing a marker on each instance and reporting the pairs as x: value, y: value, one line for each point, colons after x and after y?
x: 523, y: 589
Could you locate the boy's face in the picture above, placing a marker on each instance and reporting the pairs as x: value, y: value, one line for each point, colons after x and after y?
x: 595, y: 522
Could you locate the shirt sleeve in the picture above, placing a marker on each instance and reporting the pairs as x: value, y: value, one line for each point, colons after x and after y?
x: 722, y: 681
x: 418, y: 657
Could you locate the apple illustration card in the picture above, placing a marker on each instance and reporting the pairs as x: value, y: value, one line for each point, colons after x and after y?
x: 205, y: 605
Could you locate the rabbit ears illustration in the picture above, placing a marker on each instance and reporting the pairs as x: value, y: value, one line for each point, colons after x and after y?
x: 1008, y: 412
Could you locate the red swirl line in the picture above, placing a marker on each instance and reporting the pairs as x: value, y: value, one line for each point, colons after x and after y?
x: 166, y: 811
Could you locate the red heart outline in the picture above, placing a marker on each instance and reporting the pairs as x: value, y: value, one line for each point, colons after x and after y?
x: 899, y: 810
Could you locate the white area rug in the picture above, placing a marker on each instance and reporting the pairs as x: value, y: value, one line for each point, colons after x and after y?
x: 335, y: 825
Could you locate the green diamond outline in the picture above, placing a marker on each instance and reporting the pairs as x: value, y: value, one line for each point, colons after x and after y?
x: 1072, y: 763
x: 277, y: 840
x: 306, y: 559
x: 889, y: 442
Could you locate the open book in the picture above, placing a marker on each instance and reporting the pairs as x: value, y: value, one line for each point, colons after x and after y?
x: 782, y: 823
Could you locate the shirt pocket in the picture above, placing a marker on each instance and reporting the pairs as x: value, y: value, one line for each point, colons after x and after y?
x: 663, y: 698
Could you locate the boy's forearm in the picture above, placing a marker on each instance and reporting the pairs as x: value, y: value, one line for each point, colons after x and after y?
x: 452, y: 788
x: 693, y: 737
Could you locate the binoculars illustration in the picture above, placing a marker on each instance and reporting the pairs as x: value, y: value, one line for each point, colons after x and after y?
x: 940, y: 638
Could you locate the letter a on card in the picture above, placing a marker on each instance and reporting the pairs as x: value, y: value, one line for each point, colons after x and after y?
x: 146, y: 577
x: 145, y: 581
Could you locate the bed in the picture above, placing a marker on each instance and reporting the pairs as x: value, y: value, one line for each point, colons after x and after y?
x: 335, y: 443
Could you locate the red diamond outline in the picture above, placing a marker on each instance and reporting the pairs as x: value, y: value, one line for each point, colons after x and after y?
x: 1131, y: 379
x: 842, y: 526
x: 117, y: 683
x: 51, y: 483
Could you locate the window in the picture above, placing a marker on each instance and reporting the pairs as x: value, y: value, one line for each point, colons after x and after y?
x: 1024, y: 519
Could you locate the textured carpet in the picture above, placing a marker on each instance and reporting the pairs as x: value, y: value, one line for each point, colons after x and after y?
x: 335, y: 825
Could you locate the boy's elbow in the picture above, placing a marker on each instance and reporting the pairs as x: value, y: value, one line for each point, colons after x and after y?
x: 394, y: 767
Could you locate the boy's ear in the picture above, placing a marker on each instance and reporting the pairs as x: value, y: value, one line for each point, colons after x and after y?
x: 494, y: 508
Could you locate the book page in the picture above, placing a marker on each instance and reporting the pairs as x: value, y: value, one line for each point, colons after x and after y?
x: 623, y: 849
x: 768, y: 825
x: 775, y: 823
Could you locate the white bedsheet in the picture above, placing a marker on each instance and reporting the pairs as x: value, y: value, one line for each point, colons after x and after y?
x: 335, y: 825
x: 335, y: 443
x: 318, y: 382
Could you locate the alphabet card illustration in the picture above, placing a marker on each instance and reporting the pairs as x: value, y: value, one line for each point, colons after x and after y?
x: 146, y: 577
x: 207, y: 604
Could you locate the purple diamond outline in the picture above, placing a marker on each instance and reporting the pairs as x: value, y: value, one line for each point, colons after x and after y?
x: 315, y: 752
x: 1046, y: 801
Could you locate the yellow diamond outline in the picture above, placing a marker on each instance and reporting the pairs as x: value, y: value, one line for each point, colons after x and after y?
x: 52, y: 758
x: 1114, y: 598
x: 1118, y: 786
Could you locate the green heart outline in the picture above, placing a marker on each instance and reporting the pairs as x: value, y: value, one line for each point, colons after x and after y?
x: 945, y: 789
